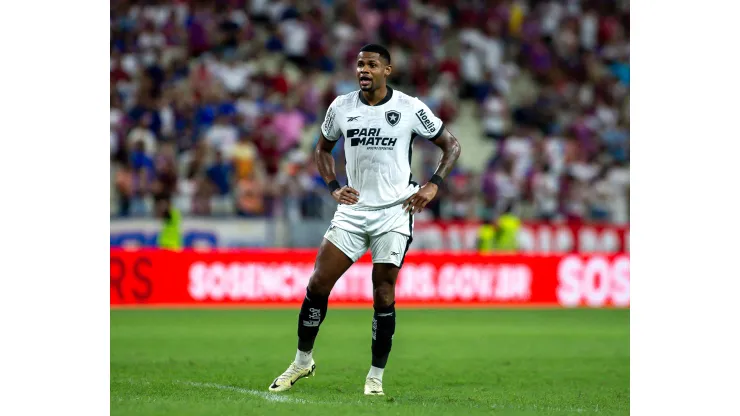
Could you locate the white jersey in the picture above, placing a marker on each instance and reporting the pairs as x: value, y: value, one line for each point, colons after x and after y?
x: 377, y: 144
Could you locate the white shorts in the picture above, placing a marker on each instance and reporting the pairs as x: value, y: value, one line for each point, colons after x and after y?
x: 386, y: 232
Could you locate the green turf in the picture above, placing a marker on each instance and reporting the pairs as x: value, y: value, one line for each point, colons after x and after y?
x: 444, y: 362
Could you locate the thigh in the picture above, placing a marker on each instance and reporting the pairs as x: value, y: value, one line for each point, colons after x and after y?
x: 389, y: 248
x: 352, y: 245
x: 331, y: 263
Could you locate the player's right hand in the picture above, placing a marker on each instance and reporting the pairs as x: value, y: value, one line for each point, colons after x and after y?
x: 346, y: 195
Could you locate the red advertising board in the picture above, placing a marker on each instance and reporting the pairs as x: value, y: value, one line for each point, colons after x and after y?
x: 534, y: 237
x: 266, y: 278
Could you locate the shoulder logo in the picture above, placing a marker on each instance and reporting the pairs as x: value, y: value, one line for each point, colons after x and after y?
x: 392, y: 117
x: 329, y: 120
x: 425, y: 121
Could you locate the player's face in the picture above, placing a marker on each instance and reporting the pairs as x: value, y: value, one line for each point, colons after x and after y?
x: 371, y: 71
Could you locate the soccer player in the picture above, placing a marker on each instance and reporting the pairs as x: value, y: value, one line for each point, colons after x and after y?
x: 375, y: 208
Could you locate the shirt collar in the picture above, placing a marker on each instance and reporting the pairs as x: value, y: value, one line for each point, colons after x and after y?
x: 387, y: 97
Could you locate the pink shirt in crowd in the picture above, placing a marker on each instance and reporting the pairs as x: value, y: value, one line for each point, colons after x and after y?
x: 288, y: 127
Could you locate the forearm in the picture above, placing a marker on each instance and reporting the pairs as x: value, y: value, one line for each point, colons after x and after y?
x: 325, y: 164
x: 450, y: 153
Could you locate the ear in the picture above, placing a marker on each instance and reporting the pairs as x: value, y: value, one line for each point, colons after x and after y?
x: 388, y: 69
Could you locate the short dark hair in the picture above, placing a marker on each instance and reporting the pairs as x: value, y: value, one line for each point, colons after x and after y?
x: 379, y: 49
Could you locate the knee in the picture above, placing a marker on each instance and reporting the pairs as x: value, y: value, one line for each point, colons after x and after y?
x: 319, y: 285
x: 384, y: 294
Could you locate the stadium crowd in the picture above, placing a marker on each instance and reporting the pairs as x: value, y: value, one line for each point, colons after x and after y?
x: 216, y: 104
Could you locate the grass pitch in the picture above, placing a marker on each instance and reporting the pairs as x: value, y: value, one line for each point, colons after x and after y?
x: 444, y: 362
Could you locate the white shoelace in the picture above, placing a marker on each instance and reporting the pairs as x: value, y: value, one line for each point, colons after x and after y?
x: 293, y: 370
x: 375, y: 384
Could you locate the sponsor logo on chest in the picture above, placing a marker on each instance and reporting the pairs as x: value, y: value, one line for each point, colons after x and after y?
x: 372, y: 138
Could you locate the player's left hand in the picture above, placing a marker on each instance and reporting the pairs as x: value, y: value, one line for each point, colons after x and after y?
x: 419, y: 200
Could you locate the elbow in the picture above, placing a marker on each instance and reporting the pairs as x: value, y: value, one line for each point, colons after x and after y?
x: 317, y: 153
x: 456, y: 148
x: 450, y: 145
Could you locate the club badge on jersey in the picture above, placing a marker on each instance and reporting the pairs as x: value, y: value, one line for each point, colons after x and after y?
x: 393, y: 117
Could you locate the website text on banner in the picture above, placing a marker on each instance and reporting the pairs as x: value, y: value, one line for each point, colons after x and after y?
x: 267, y: 278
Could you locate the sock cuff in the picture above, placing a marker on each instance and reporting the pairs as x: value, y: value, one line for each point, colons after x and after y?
x: 387, y: 309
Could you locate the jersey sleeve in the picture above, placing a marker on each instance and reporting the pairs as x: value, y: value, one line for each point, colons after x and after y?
x: 330, y: 128
x: 425, y: 123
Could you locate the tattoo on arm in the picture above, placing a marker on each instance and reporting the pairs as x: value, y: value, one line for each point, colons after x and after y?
x: 450, y: 152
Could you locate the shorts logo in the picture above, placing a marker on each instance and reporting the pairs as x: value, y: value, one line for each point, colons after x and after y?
x: 393, y: 253
x: 392, y: 117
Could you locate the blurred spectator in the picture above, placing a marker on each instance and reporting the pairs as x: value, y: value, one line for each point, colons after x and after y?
x: 611, y: 189
x: 519, y: 149
x: 201, y: 204
x: 125, y: 188
x: 268, y: 148
x: 295, y: 34
x: 250, y: 198
x: 170, y: 236
x: 165, y: 180
x: 248, y: 108
x: 545, y: 189
x: 246, y: 158
x: 142, y: 167
x: 222, y: 135
x: 288, y: 124
x: 495, y: 117
x: 460, y: 203
x: 294, y: 183
x: 499, y: 233
x: 507, y: 184
x: 507, y: 230
x: 574, y: 198
x: 234, y: 75
x: 473, y: 75
x: 599, y: 197
x: 142, y: 137
x: 186, y: 190
x: 221, y: 177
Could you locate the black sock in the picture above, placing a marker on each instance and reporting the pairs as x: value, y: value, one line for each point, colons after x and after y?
x: 313, y: 312
x: 384, y: 326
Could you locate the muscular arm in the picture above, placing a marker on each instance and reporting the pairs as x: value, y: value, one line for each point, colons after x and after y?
x: 325, y: 163
x: 324, y: 159
x: 450, y: 153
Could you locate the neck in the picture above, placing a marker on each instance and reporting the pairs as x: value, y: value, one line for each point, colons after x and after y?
x: 375, y: 96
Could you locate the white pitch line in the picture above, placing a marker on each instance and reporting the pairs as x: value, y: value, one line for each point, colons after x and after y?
x: 271, y: 397
x: 545, y: 408
x: 279, y: 398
